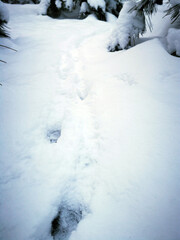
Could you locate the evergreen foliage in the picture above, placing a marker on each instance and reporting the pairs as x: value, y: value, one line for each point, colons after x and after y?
x: 4, y: 18
x: 21, y: 1
x: 3, y: 29
x: 80, y: 8
x: 174, y: 11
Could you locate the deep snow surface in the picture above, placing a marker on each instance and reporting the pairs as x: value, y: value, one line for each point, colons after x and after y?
x: 115, y: 117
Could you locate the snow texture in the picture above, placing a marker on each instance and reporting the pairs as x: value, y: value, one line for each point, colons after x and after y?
x: 174, y: 2
x: 69, y: 4
x: 58, y: 4
x: 44, y: 4
x: 84, y: 8
x: 173, y: 39
x: 89, y: 139
x: 97, y: 3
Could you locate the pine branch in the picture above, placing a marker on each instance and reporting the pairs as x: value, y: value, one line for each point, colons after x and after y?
x: 8, y: 47
x: 3, y: 30
x: 2, y: 61
x: 174, y: 12
x: 148, y: 6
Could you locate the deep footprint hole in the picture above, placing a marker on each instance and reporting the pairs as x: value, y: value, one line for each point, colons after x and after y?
x: 65, y: 222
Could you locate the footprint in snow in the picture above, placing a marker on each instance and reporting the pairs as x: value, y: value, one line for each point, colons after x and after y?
x: 82, y: 93
x: 54, y: 135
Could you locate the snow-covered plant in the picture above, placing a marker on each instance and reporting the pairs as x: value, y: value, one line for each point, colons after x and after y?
x: 22, y: 1
x: 113, y: 7
x: 69, y: 4
x: 4, y: 18
x: 131, y: 21
x: 43, y: 6
x: 82, y: 8
x: 129, y: 25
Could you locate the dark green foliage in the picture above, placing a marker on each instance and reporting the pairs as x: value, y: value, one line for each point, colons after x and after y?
x: 99, y: 13
x: 112, y: 6
x: 174, y: 11
x: 21, y: 1
x: 52, y: 10
x: 3, y: 29
x: 115, y: 11
x: 148, y: 6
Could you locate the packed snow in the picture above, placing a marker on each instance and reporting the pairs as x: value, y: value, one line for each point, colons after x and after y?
x: 87, y: 136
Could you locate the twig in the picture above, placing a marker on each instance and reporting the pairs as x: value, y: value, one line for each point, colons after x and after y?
x: 3, y: 61
x: 8, y: 47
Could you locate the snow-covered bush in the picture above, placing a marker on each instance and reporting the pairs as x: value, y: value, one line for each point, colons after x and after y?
x: 84, y: 9
x: 4, y: 18
x: 173, y: 41
x: 129, y: 25
x: 21, y: 1
x: 43, y: 6
x: 80, y: 8
x: 131, y: 21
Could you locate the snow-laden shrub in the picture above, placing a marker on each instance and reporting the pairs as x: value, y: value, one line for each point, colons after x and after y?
x: 129, y: 25
x: 173, y: 41
x: 4, y: 18
x: 113, y: 7
x: 80, y: 8
x: 58, y: 4
x: 97, y: 4
x: 69, y: 4
x: 84, y: 7
x: 21, y: 1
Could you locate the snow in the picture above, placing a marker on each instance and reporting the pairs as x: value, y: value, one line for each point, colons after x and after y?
x: 87, y: 129
x: 84, y: 8
x: 173, y: 39
x: 69, y: 4
x: 97, y: 3
x: 174, y: 2
x: 129, y: 26
x: 44, y: 4
x: 58, y: 3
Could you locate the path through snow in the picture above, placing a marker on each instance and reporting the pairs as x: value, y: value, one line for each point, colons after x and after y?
x: 115, y: 162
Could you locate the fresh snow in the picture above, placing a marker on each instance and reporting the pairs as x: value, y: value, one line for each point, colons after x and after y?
x: 97, y: 3
x: 85, y: 128
x: 173, y: 40
x: 129, y: 26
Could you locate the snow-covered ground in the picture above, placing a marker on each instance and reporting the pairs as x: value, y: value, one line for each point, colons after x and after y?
x: 116, y: 120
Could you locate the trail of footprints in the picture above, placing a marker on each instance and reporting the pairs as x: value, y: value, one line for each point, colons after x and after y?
x: 68, y: 215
